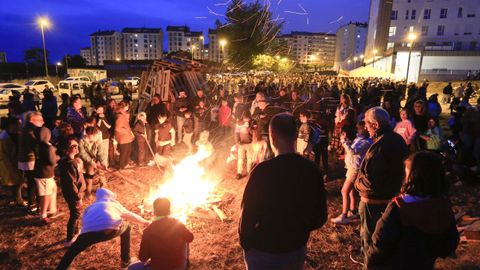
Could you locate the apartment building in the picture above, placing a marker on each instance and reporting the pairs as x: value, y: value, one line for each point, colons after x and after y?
x: 180, y: 38
x: 350, y: 45
x: 105, y: 45
x: 142, y: 43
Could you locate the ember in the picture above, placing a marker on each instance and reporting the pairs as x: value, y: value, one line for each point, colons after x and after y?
x: 188, y: 186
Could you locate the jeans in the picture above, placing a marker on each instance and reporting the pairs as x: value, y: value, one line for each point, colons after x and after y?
x: 142, y: 150
x: 259, y: 260
x: 369, y: 215
x: 321, y: 151
x: 180, y: 122
x: 125, y: 151
x: 73, y: 221
x: 85, y: 240
x: 244, y: 153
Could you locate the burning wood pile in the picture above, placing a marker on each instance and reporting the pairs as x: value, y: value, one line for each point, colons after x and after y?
x: 191, y: 189
x: 167, y: 76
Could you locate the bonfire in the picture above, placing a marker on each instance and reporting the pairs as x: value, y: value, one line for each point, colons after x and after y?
x: 187, y: 185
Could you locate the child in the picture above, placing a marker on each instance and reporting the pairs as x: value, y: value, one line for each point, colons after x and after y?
x: 164, y: 135
x: 44, y: 174
x: 406, y: 129
x: 141, y: 129
x: 164, y: 242
x: 106, y: 129
x: 354, y: 153
x: 73, y: 186
x: 243, y: 137
x: 188, y: 128
x: 303, y: 132
x: 224, y: 114
x: 433, y: 136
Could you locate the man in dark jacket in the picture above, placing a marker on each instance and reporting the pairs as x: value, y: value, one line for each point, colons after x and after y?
x: 381, y: 172
x: 49, y: 109
x: 283, y: 202
x: 73, y: 186
x: 26, y: 154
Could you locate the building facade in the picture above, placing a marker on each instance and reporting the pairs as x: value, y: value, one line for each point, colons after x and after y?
x: 86, y: 54
x: 378, y: 24
x: 350, y: 45
x: 217, y: 47
x: 447, y: 25
x: 180, y: 38
x: 142, y: 43
x: 312, y: 49
x: 105, y: 45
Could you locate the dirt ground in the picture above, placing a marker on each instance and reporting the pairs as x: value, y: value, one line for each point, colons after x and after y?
x: 24, y: 244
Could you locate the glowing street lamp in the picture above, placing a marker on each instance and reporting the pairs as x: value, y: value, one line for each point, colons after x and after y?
x: 44, y: 23
x: 202, y: 38
x: 56, y: 67
x: 193, y: 48
x: 411, y: 37
x: 222, y: 43
x: 355, y: 61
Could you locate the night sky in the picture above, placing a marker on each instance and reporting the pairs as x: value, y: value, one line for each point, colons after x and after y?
x: 74, y: 20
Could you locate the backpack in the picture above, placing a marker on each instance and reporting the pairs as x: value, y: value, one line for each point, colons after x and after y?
x: 316, y: 132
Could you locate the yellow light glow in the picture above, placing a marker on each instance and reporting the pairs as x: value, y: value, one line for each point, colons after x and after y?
x: 355, y: 58
x: 412, y: 37
x: 375, y: 51
x: 201, y: 37
x: 223, y: 42
x: 362, y: 56
x: 118, y: 59
x: 44, y: 22
x: 189, y: 187
x: 349, y: 61
x: 59, y: 64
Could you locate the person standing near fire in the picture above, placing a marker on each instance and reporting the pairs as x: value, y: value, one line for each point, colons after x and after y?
x: 284, y: 201
x: 164, y: 135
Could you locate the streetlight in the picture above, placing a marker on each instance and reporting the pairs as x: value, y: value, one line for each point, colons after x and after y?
x: 44, y: 23
x: 411, y: 37
x: 375, y: 51
x: 222, y: 43
x: 56, y: 67
x: 355, y: 61
x: 202, y: 47
x: 349, y: 62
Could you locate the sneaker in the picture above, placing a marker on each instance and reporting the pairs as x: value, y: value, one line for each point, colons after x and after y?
x: 55, y: 215
x: 45, y: 221
x: 353, y: 214
x: 341, y: 220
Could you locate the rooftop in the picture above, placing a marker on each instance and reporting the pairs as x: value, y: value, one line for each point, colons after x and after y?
x: 142, y: 30
x: 174, y: 28
x: 103, y: 33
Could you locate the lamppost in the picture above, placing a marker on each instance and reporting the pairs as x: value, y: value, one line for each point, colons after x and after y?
x: 349, y: 62
x: 44, y: 23
x: 411, y: 37
x: 361, y: 58
x: 374, y: 55
x: 202, y: 48
x: 56, y: 67
x: 355, y: 62
x: 222, y: 43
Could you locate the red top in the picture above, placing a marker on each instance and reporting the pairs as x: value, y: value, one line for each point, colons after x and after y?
x: 164, y: 242
x: 224, y: 113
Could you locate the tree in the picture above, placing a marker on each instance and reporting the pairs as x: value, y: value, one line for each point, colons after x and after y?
x: 263, y: 62
x: 249, y: 30
x: 74, y: 61
x: 34, y: 56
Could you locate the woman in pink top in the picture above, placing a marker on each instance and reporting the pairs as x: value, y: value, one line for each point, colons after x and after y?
x: 405, y: 128
x: 224, y: 114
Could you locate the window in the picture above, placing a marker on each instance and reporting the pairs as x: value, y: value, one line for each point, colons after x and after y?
x: 426, y: 14
x: 406, y: 14
x: 473, y: 45
x: 394, y: 15
x: 440, y: 30
x: 390, y: 45
x: 414, y: 14
x: 425, y: 30
x: 443, y: 13
x: 471, y: 15
x: 460, y: 12
x: 392, y: 31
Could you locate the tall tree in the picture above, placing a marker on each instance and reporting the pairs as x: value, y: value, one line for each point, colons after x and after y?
x: 34, y: 56
x: 74, y: 61
x: 249, y: 29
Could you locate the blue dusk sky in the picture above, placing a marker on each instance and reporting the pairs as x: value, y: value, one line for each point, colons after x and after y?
x: 74, y: 20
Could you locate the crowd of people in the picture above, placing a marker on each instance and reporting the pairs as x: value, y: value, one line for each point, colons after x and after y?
x: 284, y: 128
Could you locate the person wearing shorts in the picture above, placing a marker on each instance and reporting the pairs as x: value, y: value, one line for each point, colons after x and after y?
x: 44, y: 175
x: 354, y: 153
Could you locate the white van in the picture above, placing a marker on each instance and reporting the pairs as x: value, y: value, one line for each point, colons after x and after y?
x: 71, y: 88
x: 84, y: 79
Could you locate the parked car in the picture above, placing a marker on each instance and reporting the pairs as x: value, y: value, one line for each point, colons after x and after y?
x: 135, y: 81
x: 71, y: 88
x: 39, y: 85
x: 8, y: 89
x: 83, y: 79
